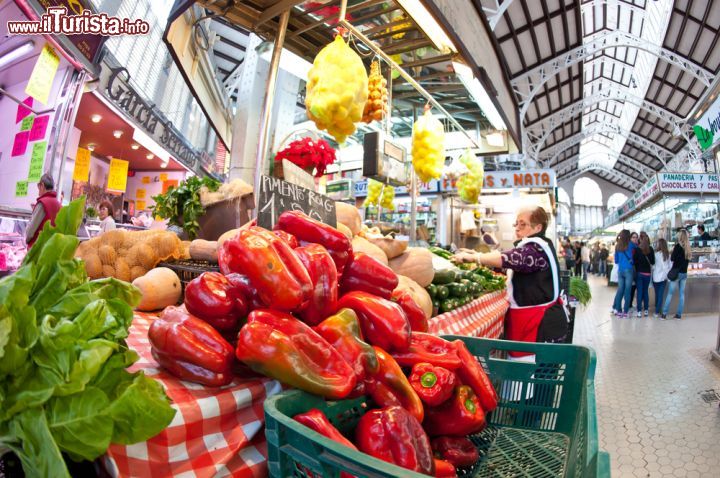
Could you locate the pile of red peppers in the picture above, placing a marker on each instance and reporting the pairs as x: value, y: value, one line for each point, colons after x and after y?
x: 296, y: 304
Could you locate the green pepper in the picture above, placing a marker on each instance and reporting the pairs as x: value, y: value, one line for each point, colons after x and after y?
x: 432, y: 290
x: 442, y: 292
x: 447, y: 305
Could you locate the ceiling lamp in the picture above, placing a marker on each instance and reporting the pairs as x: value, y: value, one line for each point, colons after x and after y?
x: 478, y: 93
x: 496, y: 139
x: 135, y: 146
x: 91, y: 147
x: 16, y: 53
x: 117, y: 133
x: 150, y: 156
x: 96, y: 118
x: 164, y: 165
x: 428, y: 25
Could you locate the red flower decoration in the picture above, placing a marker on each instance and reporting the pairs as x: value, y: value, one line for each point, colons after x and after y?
x: 308, y: 153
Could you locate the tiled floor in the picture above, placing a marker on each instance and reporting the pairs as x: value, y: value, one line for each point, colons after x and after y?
x: 650, y: 380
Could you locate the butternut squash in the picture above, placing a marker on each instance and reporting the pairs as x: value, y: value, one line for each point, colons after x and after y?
x: 422, y: 298
x: 391, y: 247
x: 360, y: 244
x: 160, y: 288
x: 349, y: 215
x: 202, y: 250
x: 415, y: 263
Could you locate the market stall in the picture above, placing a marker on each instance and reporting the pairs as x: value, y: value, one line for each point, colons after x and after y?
x: 667, y: 202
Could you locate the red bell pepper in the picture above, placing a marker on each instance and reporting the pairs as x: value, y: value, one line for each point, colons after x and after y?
x: 272, y: 267
x: 433, y: 384
x: 460, y: 416
x: 308, y: 230
x: 323, y: 274
x: 368, y: 275
x: 444, y: 469
x: 429, y: 348
x: 471, y: 373
x: 342, y: 331
x: 389, y: 386
x: 241, y: 283
x: 280, y: 346
x: 383, y: 322
x: 288, y: 238
x: 190, y: 348
x: 316, y: 420
x: 393, y: 435
x: 459, y: 451
x: 213, y: 298
x: 414, y: 313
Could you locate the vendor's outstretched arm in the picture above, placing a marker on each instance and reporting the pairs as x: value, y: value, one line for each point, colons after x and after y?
x: 491, y: 259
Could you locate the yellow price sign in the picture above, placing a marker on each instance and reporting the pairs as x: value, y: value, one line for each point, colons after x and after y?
x: 163, y: 177
x: 117, y: 179
x: 82, y: 165
x: 140, y: 194
x: 43, y: 75
x: 146, y: 179
x: 140, y: 205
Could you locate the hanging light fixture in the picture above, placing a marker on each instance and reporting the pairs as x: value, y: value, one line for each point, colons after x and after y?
x: 96, y: 118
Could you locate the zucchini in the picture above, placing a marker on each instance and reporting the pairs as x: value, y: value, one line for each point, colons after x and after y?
x: 444, y: 277
x: 442, y: 292
x: 431, y: 290
x: 457, y: 290
x: 447, y: 305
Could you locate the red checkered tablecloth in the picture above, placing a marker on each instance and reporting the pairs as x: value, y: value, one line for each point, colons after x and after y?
x: 482, y: 317
x: 215, y: 432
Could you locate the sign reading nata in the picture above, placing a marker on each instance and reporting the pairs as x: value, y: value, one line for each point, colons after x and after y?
x: 688, y: 182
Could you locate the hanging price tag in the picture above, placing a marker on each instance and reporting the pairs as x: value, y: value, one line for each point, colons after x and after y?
x: 140, y: 194
x: 117, y: 178
x: 43, y: 75
x: 146, y: 179
x: 21, y: 189
x: 82, y: 165
x: 37, y: 160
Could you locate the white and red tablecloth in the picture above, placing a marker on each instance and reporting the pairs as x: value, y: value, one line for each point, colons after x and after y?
x: 216, y: 431
x: 482, y: 317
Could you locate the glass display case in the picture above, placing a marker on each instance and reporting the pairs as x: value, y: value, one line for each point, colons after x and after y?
x: 398, y: 220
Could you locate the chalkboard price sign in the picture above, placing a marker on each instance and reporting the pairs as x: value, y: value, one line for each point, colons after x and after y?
x: 277, y: 196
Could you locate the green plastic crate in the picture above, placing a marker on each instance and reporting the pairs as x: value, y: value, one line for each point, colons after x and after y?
x: 552, y: 432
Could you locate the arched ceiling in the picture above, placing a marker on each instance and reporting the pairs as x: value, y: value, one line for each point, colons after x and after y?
x: 607, y: 86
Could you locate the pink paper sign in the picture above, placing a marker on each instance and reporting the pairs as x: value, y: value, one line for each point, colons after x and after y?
x: 39, y: 127
x: 20, y: 143
x: 22, y: 112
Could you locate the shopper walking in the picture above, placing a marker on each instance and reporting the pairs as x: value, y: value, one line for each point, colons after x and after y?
x: 569, y: 253
x: 660, y: 272
x: 578, y: 258
x: 677, y: 276
x: 624, y: 263
x: 106, y: 213
x: 644, y: 260
x: 634, y: 239
x: 45, y: 209
x: 585, y: 256
x: 604, y: 254
x: 595, y: 259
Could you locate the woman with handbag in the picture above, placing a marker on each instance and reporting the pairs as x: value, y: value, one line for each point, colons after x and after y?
x: 644, y: 260
x: 624, y: 264
x: 663, y: 264
x: 677, y: 276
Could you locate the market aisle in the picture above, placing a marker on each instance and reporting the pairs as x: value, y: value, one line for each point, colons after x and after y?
x: 650, y: 379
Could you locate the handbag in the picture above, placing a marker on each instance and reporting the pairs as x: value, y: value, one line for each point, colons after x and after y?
x: 673, y: 274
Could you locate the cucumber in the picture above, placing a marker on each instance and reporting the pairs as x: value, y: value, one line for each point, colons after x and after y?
x: 442, y: 292
x: 447, y: 305
x: 431, y: 290
x: 457, y: 290
x: 444, y: 277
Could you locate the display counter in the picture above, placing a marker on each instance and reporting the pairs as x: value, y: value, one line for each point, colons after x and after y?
x: 701, y: 295
x: 215, y: 432
x: 483, y: 317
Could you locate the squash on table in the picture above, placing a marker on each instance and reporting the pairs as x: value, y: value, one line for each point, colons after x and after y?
x: 349, y: 215
x: 415, y: 263
x: 360, y: 244
x: 422, y: 298
x: 227, y: 236
x: 202, y: 250
x: 160, y: 288
x: 391, y: 247
x: 345, y: 230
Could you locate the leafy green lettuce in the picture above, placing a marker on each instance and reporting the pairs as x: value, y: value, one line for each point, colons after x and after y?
x: 64, y: 387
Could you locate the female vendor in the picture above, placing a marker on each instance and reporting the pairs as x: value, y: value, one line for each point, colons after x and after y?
x: 536, y: 311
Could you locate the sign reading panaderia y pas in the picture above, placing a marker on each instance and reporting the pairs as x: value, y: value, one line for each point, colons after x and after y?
x: 688, y: 182
x: 115, y: 84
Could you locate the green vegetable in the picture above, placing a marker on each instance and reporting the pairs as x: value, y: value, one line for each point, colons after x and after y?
x: 431, y: 290
x: 447, y: 305
x: 63, y: 383
x: 442, y: 292
x: 181, y: 205
x: 580, y: 290
x: 445, y: 276
x: 440, y: 252
x: 457, y: 289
